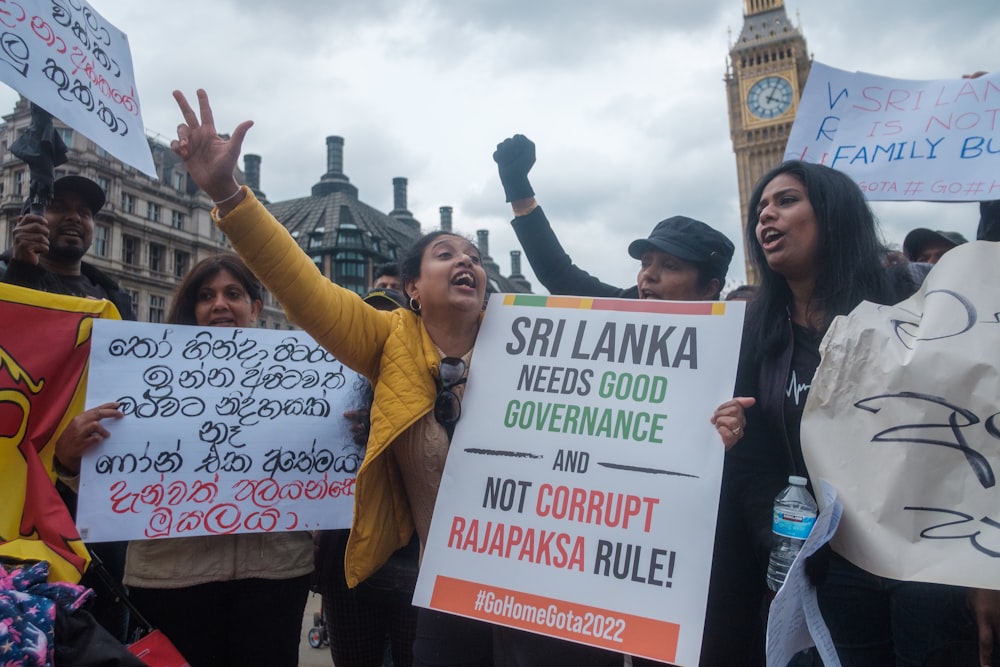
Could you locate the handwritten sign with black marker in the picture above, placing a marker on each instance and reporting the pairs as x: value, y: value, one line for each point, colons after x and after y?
x: 225, y: 431
x: 903, y: 419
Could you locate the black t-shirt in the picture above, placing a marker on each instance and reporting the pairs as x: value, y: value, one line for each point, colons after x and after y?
x: 805, y: 360
x: 81, y: 285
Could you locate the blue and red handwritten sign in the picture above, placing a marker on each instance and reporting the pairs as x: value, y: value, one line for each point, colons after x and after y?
x: 581, y: 488
x: 902, y: 139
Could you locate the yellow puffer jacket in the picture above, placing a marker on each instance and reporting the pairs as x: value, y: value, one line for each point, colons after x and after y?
x: 392, y: 349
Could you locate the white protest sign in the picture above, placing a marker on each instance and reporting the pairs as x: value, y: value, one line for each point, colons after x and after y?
x: 225, y: 431
x: 902, y: 139
x: 581, y: 489
x: 903, y: 418
x: 66, y: 58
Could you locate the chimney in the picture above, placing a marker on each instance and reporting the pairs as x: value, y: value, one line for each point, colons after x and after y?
x: 334, y: 156
x: 399, y: 198
x: 334, y: 179
x: 445, y: 218
x: 516, y: 277
x: 251, y: 169
x: 484, y: 242
x: 515, y: 265
x: 251, y: 172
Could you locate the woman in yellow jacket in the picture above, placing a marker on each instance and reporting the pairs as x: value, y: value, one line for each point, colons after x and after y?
x: 416, y: 359
x: 400, y: 351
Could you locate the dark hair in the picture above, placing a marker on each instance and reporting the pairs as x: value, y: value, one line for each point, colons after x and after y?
x: 706, y: 273
x: 849, y: 261
x: 186, y: 296
x: 409, y: 267
x: 742, y: 292
x: 387, y: 269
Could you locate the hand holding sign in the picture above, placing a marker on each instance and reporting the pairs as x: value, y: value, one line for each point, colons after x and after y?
x: 83, y: 432
x: 730, y: 419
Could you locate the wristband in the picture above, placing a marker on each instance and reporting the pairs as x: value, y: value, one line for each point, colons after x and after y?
x: 239, y: 189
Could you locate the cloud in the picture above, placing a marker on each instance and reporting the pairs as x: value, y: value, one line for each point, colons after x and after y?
x: 625, y: 100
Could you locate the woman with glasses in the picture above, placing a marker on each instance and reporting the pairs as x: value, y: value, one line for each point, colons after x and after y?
x: 416, y: 359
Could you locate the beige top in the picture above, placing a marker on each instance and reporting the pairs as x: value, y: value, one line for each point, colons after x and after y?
x: 420, y: 453
x: 189, y: 561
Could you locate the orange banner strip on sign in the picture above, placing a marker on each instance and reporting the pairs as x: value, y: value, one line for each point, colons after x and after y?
x: 625, y: 633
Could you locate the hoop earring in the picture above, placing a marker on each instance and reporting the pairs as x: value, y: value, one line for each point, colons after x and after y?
x: 414, y: 305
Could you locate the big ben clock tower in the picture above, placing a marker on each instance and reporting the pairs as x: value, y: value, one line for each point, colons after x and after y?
x: 767, y: 69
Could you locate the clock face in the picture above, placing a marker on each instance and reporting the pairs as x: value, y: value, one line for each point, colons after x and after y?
x: 770, y: 97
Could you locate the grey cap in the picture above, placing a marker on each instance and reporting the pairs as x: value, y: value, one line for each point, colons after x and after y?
x: 920, y: 237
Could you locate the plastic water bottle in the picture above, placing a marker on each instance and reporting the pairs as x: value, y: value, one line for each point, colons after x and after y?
x: 794, y: 515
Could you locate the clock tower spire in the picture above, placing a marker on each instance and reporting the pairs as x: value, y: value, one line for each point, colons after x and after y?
x: 765, y: 73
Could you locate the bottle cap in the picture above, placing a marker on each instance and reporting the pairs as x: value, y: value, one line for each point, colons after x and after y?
x: 797, y: 480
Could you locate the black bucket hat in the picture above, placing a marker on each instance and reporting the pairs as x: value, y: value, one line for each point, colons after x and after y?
x: 689, y: 239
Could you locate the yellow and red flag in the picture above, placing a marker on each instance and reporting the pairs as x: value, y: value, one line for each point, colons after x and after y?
x: 44, y: 352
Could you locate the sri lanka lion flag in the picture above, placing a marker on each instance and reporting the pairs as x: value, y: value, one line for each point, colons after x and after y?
x: 44, y: 350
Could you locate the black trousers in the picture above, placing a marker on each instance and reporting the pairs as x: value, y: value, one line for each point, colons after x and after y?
x: 238, y: 623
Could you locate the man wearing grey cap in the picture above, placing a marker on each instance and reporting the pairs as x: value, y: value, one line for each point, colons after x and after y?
x: 683, y: 259
x: 928, y: 245
x: 49, y: 249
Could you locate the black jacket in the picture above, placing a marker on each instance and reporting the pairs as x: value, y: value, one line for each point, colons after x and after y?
x: 36, y: 277
x: 758, y: 467
x: 553, y: 266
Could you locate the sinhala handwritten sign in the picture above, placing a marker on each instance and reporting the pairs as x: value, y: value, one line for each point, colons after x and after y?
x: 903, y: 419
x: 580, y: 493
x: 902, y: 139
x: 65, y: 57
x: 225, y: 431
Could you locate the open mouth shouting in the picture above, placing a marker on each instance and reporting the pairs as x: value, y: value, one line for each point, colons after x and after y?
x: 465, y: 279
x: 769, y: 238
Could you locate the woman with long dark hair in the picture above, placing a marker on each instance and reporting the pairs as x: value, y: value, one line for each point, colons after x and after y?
x: 224, y: 599
x: 816, y: 246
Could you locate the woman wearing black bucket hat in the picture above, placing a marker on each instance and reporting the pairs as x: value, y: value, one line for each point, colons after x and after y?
x: 683, y: 259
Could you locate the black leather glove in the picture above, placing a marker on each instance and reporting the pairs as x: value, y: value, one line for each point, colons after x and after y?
x: 514, y: 158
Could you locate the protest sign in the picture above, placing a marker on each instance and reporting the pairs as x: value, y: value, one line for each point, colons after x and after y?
x: 226, y: 430
x: 43, y: 367
x: 580, y: 493
x: 902, y: 139
x: 67, y: 59
x: 902, y: 419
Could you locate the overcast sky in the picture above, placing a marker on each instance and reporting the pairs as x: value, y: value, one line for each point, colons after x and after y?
x: 625, y: 100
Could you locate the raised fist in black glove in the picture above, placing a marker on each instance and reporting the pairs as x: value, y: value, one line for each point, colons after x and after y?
x: 514, y: 158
